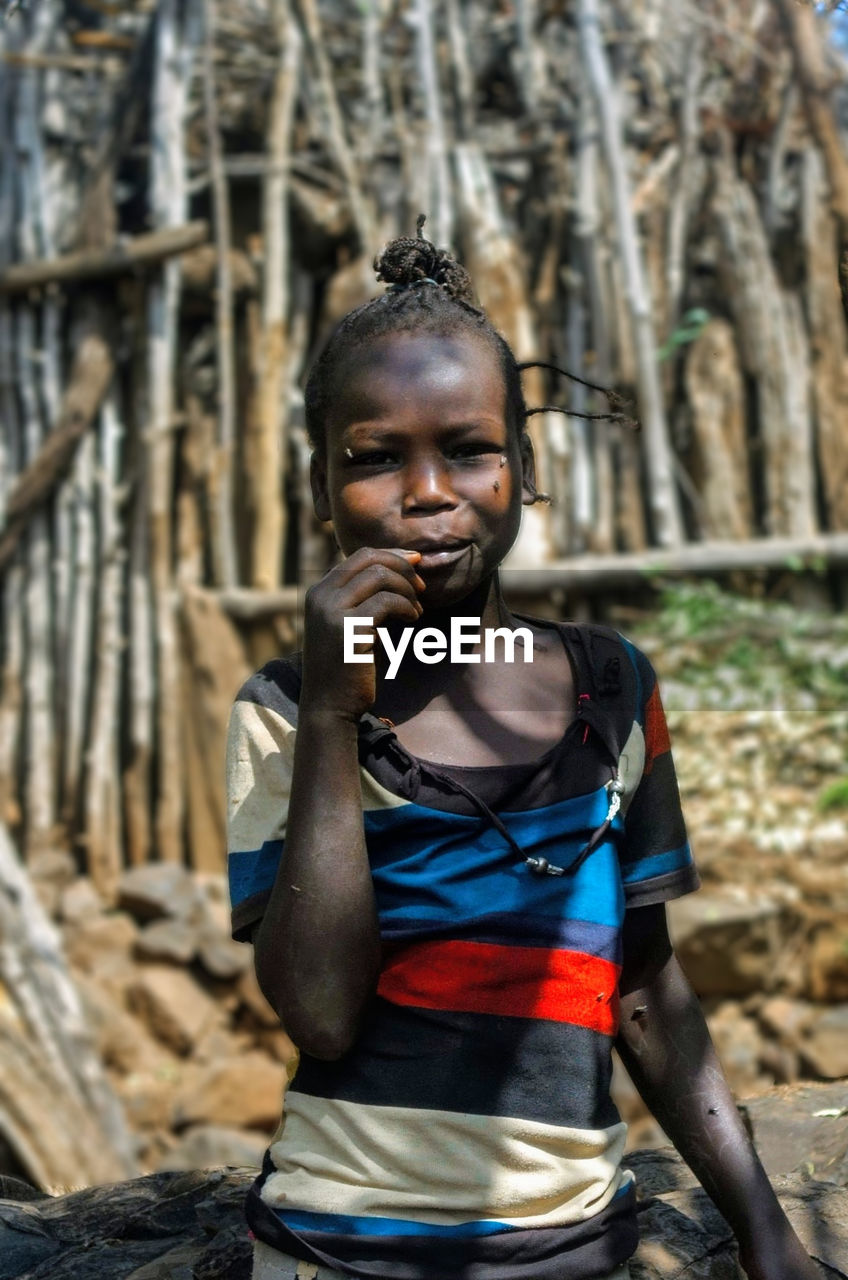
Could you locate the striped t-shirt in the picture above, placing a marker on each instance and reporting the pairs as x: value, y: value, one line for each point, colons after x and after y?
x: 470, y: 1131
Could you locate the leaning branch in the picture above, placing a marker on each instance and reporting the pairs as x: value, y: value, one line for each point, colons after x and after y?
x: 90, y: 378
x: 91, y: 264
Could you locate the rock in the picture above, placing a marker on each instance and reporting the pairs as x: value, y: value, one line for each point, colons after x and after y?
x: 123, y: 1041
x: 786, y: 1019
x: 824, y: 1048
x: 80, y: 901
x: 173, y: 1226
x: 209, y: 1145
x: 730, y: 944
x: 148, y: 1098
x: 253, y: 999
x: 166, y: 1222
x: 51, y: 871
x: 102, y: 946
x: 244, y: 1092
x: 739, y: 1046
x: 222, y: 958
x: 158, y: 890
x: 174, y: 941
x: 827, y: 964
x: 176, y: 1010
x: 802, y: 1126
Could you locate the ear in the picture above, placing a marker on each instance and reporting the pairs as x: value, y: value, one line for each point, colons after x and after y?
x: 528, y: 470
x: 318, y: 483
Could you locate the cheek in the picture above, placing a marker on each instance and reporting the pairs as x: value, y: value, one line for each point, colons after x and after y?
x: 360, y: 507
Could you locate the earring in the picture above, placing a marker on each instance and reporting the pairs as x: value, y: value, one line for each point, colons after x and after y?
x: 497, y: 486
x: 503, y: 460
x: 348, y: 453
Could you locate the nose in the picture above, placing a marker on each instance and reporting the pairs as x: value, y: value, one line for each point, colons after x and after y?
x: 428, y: 487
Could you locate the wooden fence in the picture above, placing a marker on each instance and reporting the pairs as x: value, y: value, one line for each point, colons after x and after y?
x: 652, y: 193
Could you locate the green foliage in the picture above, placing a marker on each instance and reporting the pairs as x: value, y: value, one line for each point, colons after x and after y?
x: 834, y: 796
x: 691, y: 327
x: 716, y: 649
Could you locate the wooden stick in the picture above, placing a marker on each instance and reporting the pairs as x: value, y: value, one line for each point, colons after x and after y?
x: 224, y: 546
x: 76, y: 668
x: 268, y: 454
x: 91, y: 264
x: 141, y: 659
x: 773, y: 350
x: 40, y: 759
x: 335, y: 137
x: 828, y: 343
x: 800, y: 25
x: 439, y: 193
x: 102, y: 807
x: 663, y: 495
x: 608, y: 572
x: 11, y: 673
x: 174, y: 55
x: 89, y: 379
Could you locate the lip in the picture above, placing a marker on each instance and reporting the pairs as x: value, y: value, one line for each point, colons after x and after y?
x: 439, y: 555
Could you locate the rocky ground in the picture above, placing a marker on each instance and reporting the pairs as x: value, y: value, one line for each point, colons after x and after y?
x: 759, y: 719
x: 190, y: 1226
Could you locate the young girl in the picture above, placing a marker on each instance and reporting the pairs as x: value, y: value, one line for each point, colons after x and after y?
x: 454, y: 878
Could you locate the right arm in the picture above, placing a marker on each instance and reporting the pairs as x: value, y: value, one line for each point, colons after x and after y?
x: 317, y: 947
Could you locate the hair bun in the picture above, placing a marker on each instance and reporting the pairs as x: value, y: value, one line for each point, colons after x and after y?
x: 409, y: 259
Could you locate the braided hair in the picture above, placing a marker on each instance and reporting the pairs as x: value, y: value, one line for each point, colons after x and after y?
x: 428, y: 291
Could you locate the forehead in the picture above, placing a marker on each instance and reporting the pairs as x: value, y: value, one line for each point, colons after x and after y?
x: 448, y: 373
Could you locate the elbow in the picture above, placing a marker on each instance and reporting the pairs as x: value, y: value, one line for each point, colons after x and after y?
x: 313, y: 1028
x: 329, y: 1043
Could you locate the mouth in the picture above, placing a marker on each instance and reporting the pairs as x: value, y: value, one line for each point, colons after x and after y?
x: 439, y: 555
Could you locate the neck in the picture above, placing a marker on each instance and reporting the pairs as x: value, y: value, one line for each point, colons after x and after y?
x: 420, y: 682
x: 485, y: 602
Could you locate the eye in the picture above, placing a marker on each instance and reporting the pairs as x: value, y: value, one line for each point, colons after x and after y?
x: 370, y: 458
x: 475, y: 449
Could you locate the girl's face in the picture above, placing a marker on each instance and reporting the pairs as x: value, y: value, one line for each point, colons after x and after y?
x: 419, y: 456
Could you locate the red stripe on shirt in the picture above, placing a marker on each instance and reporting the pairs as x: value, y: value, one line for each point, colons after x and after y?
x: 657, y: 741
x: 517, y: 982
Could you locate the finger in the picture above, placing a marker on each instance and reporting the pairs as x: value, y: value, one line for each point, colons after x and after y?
x: 371, y: 581
x: 386, y: 605
x: 393, y: 557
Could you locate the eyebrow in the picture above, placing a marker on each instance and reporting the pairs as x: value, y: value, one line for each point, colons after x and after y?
x: 356, y: 432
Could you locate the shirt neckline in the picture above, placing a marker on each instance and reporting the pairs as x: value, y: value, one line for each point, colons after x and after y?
x: 524, y: 766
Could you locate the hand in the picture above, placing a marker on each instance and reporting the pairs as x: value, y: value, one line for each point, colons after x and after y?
x: 376, y: 583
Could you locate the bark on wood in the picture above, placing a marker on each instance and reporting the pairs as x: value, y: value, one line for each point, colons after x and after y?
x: 267, y: 448
x: 335, y: 138
x: 493, y: 260
x: 90, y: 376
x: 662, y: 492
x: 225, y: 565
x: 40, y: 758
x: 92, y: 264
x: 828, y: 345
x: 102, y: 810
x: 805, y: 41
x: 215, y: 667
x: 11, y: 674
x: 438, y: 197
x: 76, y: 669
x: 177, y: 37
x: 141, y: 675
x: 607, y: 572
x: 50, y: 1066
x: 719, y: 466
x: 769, y: 329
